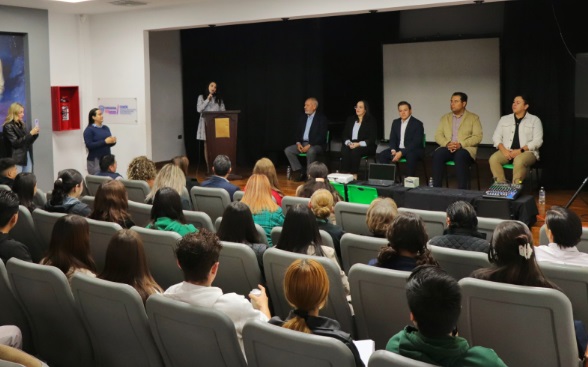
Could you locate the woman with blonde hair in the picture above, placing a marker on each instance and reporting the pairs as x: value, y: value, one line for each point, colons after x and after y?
x: 17, y: 140
x: 306, y: 287
x: 142, y: 169
x: 322, y: 206
x: 172, y: 176
x: 111, y: 204
x: 258, y: 196
x: 380, y: 214
x: 264, y: 166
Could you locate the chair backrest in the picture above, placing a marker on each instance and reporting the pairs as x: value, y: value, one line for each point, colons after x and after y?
x: 290, y: 201
x: 210, y: 200
x: 185, y: 195
x: 46, y: 299
x: 44, y: 222
x: 189, y: 335
x: 137, y: 190
x: 379, y: 302
x: 383, y: 358
x: 4, y: 363
x: 266, y: 344
x: 10, y: 311
x: 582, y: 245
x: 340, y: 189
x: 275, y: 263
x: 459, y: 263
x: 116, y: 321
x: 361, y: 194
x: 351, y: 217
x: 161, y: 258
x: 434, y: 221
x: 5, y: 187
x: 88, y: 200
x: 239, y: 269
x: 40, y: 198
x: 199, y: 220
x: 93, y: 182
x: 487, y: 226
x: 573, y: 281
x: 259, y: 229
x: 25, y: 232
x: 238, y: 195
x: 276, y: 233
x: 100, y: 235
x: 140, y: 213
x: 356, y: 249
x: 506, y: 318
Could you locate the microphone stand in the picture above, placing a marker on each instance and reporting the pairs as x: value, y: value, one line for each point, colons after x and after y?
x: 576, y: 194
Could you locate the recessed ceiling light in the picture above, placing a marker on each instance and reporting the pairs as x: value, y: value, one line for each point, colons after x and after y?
x: 71, y: 1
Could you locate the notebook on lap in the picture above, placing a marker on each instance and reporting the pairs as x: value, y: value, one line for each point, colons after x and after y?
x: 381, y: 174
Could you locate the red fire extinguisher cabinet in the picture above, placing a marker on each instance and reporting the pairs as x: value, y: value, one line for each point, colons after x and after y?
x: 65, y: 106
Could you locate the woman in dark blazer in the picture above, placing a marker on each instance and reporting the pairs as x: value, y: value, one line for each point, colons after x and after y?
x: 359, y: 138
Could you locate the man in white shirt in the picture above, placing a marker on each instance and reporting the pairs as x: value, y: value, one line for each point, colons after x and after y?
x: 198, y: 255
x: 518, y: 138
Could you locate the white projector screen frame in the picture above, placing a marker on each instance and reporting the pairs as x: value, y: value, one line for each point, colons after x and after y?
x: 426, y: 74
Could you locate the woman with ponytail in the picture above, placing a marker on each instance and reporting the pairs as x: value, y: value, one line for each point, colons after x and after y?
x: 66, y: 192
x: 407, y: 244
x: 322, y: 205
x: 306, y: 287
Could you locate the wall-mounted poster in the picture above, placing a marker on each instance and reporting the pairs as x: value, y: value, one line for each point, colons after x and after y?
x: 12, y: 72
x: 118, y: 110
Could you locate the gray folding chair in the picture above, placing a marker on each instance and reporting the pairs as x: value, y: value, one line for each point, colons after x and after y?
x: 325, y: 237
x: 116, y: 321
x: 275, y: 263
x: 375, y: 291
x: 582, y: 245
x: 140, y: 213
x: 199, y: 220
x: 238, y: 195
x: 487, y: 226
x: 40, y: 198
x: 46, y: 299
x: 351, y: 217
x: 356, y: 248
x: 93, y: 182
x: 137, y: 190
x: 259, y: 229
x: 88, y: 200
x: 434, y: 221
x: 161, y: 258
x: 25, y: 232
x: 185, y: 195
x: 4, y: 363
x: 238, y: 270
x: 44, y: 222
x: 459, y: 263
x: 212, y: 201
x: 508, y: 318
x: 188, y: 335
x: 11, y: 312
x: 270, y: 345
x: 290, y: 201
x: 100, y: 235
x: 383, y: 358
x: 5, y: 187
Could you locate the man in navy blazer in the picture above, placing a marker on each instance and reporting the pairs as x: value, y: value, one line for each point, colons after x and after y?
x: 221, y: 167
x: 311, y: 138
x: 406, y: 140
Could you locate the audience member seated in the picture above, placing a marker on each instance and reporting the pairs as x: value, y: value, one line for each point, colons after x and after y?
x: 322, y: 205
x: 126, y: 263
x: 564, y: 230
x: 9, y: 247
x: 258, y: 196
x: 265, y: 167
x: 407, y: 244
x: 184, y: 163
x: 221, y: 168
x: 69, y: 248
x: 108, y: 167
x: 380, y: 214
x: 66, y: 192
x: 462, y: 229
x: 170, y: 176
x: 8, y: 171
x: 306, y: 288
x: 25, y: 186
x: 142, y: 169
x: 301, y: 234
x: 237, y: 226
x: 167, y: 213
x: 111, y: 204
x: 198, y: 256
x: 434, y: 300
x: 317, y: 179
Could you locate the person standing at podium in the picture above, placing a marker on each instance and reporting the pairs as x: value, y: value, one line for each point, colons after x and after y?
x: 209, y: 101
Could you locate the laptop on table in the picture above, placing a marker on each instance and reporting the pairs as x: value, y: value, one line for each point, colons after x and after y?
x: 381, y: 174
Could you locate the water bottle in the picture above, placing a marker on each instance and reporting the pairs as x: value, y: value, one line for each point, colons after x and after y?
x: 431, y: 182
x: 288, y: 171
x: 542, y: 195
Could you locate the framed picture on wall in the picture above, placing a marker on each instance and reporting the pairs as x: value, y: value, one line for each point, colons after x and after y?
x: 12, y: 72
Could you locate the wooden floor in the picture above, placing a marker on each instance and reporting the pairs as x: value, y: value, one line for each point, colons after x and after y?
x: 553, y: 197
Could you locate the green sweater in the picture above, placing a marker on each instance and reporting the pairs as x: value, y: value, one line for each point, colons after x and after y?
x: 167, y: 224
x: 445, y: 351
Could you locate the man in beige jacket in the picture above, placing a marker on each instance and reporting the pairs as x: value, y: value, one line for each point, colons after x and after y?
x: 458, y: 136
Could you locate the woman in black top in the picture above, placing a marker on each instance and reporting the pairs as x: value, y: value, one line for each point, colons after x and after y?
x: 17, y: 139
x: 359, y: 138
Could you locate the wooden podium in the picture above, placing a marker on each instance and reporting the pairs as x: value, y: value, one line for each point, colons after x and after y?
x: 221, y: 135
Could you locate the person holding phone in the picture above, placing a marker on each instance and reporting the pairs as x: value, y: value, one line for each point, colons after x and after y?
x: 18, y: 139
x: 98, y: 140
x: 209, y: 101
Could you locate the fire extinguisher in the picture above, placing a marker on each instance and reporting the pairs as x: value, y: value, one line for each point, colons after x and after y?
x: 64, y: 101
